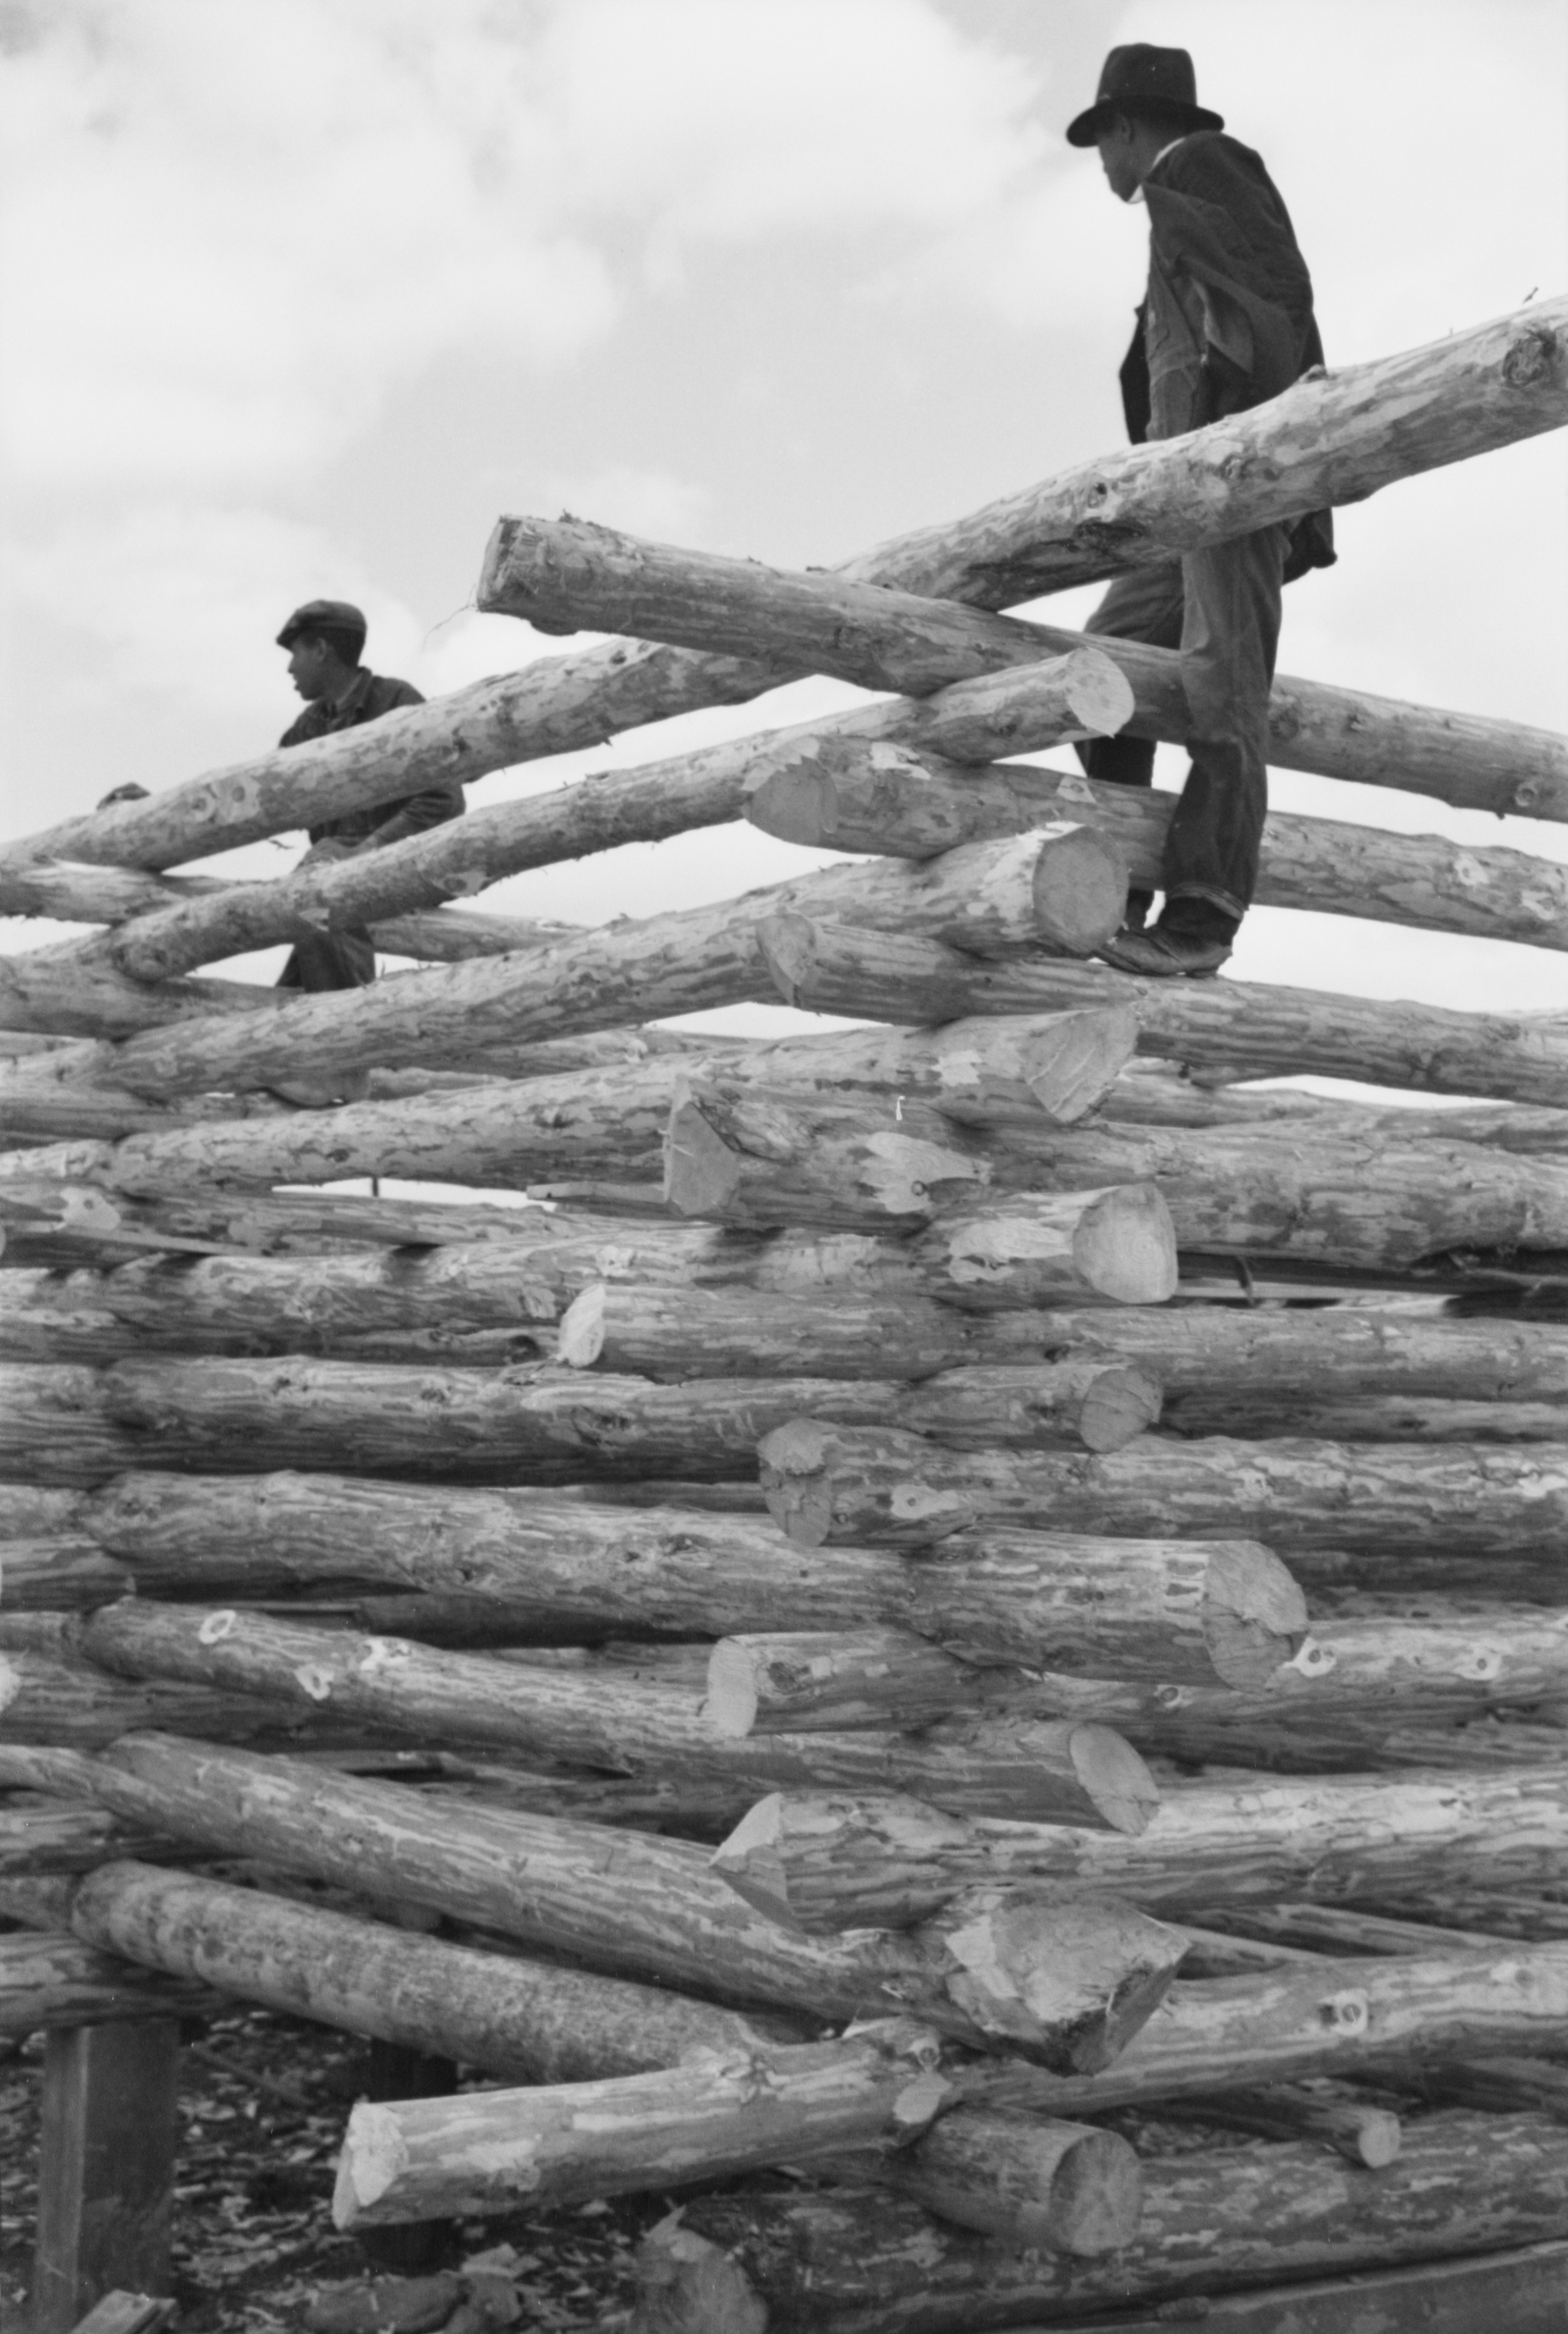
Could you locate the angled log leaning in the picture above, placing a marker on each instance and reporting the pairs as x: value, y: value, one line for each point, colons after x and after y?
x: 526, y: 2021
x: 852, y: 2261
x: 1253, y: 1030
x: 1072, y: 1773
x: 1362, y: 2134
x: 882, y: 1486
x: 719, y: 2114
x: 645, y: 1908
x: 1486, y: 387
x: 833, y: 1862
x: 878, y: 798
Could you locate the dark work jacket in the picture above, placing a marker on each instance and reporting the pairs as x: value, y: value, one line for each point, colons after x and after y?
x: 1216, y: 222
x: 385, y: 822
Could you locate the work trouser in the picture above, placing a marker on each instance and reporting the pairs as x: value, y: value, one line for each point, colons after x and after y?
x: 341, y: 960
x: 1221, y: 609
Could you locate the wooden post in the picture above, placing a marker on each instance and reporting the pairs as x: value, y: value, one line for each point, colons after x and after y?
x: 106, y: 2181
x: 397, y: 2072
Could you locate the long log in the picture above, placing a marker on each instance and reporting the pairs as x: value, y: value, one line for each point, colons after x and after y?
x: 635, y: 1906
x: 828, y: 1862
x: 47, y: 1980
x: 796, y: 1681
x: 75, y: 1704
x: 519, y: 2019
x: 1253, y: 1029
x: 1039, y: 2182
x: 874, y: 798
x: 880, y: 1486
x: 1044, y: 1770
x: 1485, y: 386
x: 851, y: 2261
x: 1374, y: 1418
x: 1363, y: 2134
x: 720, y: 2114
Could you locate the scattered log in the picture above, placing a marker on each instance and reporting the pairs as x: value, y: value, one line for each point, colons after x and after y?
x: 49, y: 1981
x: 833, y: 1862
x: 1170, y: 1610
x: 878, y: 1486
x: 1069, y: 1773
x: 520, y: 2021
x: 632, y: 1906
x: 1039, y: 2182
x: 854, y: 2260
x: 1251, y: 1029
x: 854, y: 795
x: 73, y: 1703
x: 718, y: 2114
x: 796, y: 1681
x: 1362, y: 2134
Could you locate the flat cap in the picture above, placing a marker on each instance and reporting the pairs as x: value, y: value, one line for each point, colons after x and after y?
x: 323, y: 616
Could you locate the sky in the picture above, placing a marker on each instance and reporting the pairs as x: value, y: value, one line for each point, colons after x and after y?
x: 303, y: 295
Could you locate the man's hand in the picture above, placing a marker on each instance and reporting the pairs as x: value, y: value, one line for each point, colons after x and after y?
x: 330, y: 848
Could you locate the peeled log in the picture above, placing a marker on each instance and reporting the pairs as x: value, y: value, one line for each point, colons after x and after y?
x: 522, y: 2020
x: 985, y: 1072
x: 1067, y: 1773
x: 718, y: 2114
x: 1039, y: 2182
x: 47, y: 1980
x: 796, y: 1681
x: 1132, y: 1608
x: 1254, y: 1030
x: 1069, y: 1990
x: 855, y: 2261
x: 1066, y: 1402
x: 675, y: 1333
x: 878, y: 1486
x: 881, y: 798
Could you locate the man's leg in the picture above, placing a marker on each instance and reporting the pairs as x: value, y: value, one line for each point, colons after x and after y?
x: 327, y: 960
x: 1230, y: 633
x: 1145, y: 604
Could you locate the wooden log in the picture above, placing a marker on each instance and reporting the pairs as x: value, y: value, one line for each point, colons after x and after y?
x: 878, y: 1486
x: 858, y: 796
x: 56, y: 1575
x: 671, y: 1333
x: 986, y: 1072
x: 1066, y: 1402
x: 826, y: 1861
x: 1347, y: 1929
x: 1038, y: 2182
x: 74, y: 1703
x: 1374, y: 1418
x: 519, y: 2019
x: 52, y: 1981
x: 1363, y: 2134
x: 1252, y: 1029
x: 107, y: 2143
x: 1228, y: 1611
x: 75, y: 989
x: 1069, y: 1986
x: 719, y: 2114
x: 1499, y: 2085
x: 1062, y: 886
x: 796, y: 1681
x: 852, y: 2261
x: 576, y: 1570
x: 1071, y: 1774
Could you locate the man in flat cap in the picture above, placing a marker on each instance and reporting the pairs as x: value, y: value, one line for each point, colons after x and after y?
x: 326, y: 640
x: 1227, y: 322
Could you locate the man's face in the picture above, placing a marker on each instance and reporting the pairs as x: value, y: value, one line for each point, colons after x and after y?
x: 1119, y: 158
x: 312, y: 665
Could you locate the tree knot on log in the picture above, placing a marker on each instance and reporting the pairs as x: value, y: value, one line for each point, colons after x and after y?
x: 1532, y: 357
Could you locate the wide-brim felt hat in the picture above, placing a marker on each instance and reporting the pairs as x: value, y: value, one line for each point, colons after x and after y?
x: 1142, y: 79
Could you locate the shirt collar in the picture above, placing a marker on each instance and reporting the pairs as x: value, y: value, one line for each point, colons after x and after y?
x: 1170, y: 149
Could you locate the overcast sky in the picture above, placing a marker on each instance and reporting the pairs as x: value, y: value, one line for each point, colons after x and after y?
x: 301, y: 295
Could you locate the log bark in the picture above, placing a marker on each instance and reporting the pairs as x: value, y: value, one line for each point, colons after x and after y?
x: 859, y: 797
x: 49, y: 1981
x: 853, y: 2262
x: 1369, y: 2135
x: 1039, y: 2182
x: 520, y: 2021
x: 1251, y: 1029
x: 1349, y: 1929
x: 881, y: 1487
x: 74, y: 1703
x: 1067, y: 1773
x: 1373, y: 1418
x: 719, y: 2114
x: 1066, y: 1402
x: 40, y: 1840
x: 632, y: 1905
x: 796, y: 1681
x: 58, y: 1576
x: 75, y: 989
x: 1133, y: 1609
x: 825, y: 1861
x: 985, y: 1072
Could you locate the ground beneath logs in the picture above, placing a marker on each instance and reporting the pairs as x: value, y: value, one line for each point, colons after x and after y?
x: 254, y: 2242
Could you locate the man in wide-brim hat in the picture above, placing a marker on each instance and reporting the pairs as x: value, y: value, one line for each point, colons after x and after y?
x: 1226, y: 322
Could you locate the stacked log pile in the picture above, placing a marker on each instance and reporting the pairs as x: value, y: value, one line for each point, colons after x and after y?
x: 968, y: 1603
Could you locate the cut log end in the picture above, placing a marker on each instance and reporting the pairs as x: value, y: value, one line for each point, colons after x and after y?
x: 1072, y: 1062
x: 1080, y: 889
x: 580, y: 1336
x: 1098, y: 691
x: 1380, y: 2136
x: 374, y: 2158
x: 1096, y: 2196
x: 686, y: 2285
x: 1124, y: 1245
x: 1119, y: 1404
x: 731, y: 1703
x: 701, y: 1172
x: 1255, y: 1614
x: 1114, y: 1777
